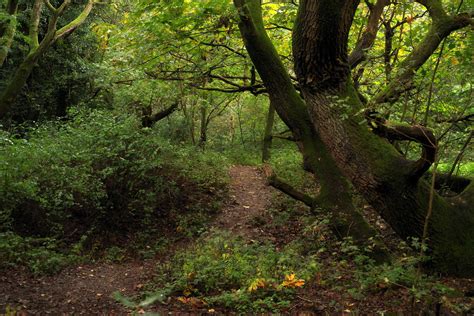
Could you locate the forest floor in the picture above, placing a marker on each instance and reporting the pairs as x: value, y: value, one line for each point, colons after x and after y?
x: 87, y: 289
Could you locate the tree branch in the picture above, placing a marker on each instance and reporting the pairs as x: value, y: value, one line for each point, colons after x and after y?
x: 466, y: 118
x: 50, y: 6
x: 359, y: 53
x: 441, y: 27
x: 74, y: 24
x: 148, y: 120
x: 416, y: 133
x: 34, y: 23
x: 286, y: 188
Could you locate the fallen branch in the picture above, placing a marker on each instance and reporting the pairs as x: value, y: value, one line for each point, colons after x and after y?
x: 288, y: 138
x: 286, y: 188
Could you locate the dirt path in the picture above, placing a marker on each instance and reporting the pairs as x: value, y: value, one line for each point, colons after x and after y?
x: 82, y: 290
x: 250, y: 199
x: 87, y: 289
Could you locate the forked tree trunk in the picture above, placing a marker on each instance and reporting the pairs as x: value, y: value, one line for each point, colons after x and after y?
x: 37, y: 49
x: 335, y: 191
x: 390, y: 183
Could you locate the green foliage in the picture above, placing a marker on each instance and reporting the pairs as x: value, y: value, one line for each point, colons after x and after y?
x: 404, y: 272
x: 101, y: 175
x: 40, y: 255
x: 65, y: 75
x: 465, y: 169
x: 224, y: 271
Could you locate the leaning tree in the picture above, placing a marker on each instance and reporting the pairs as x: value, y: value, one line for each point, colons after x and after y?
x: 326, y: 119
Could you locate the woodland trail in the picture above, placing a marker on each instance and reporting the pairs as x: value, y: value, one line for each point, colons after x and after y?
x: 87, y: 289
x: 250, y: 199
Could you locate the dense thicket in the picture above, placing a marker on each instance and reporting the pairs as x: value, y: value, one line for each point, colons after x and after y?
x: 99, y: 178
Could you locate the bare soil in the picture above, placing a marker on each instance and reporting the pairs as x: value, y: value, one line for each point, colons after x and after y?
x: 87, y: 289
x: 80, y: 290
x: 250, y: 198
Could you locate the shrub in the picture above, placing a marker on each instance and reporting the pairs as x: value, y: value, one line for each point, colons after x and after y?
x: 100, y: 174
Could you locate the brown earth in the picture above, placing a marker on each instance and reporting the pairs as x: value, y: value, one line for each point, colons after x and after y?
x: 250, y: 199
x: 87, y: 289
x: 80, y: 290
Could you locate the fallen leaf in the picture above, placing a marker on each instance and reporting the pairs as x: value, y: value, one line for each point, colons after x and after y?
x: 257, y: 284
x: 292, y: 281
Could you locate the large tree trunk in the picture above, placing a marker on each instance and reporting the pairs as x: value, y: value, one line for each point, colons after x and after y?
x: 390, y: 183
x: 335, y: 191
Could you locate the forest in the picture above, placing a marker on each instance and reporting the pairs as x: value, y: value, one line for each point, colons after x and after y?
x: 201, y: 157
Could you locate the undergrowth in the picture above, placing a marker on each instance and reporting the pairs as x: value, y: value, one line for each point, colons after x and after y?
x: 223, y: 271
x: 96, y: 181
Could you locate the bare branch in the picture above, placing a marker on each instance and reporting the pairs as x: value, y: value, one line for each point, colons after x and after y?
x: 367, y: 40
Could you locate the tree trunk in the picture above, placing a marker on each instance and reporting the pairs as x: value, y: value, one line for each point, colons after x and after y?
x: 16, y: 84
x: 390, y: 183
x: 7, y: 30
x: 203, y: 129
x: 335, y: 191
x: 267, y: 136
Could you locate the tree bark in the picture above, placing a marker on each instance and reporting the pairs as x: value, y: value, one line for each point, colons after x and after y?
x: 8, y: 30
x: 390, y: 183
x: 335, y: 190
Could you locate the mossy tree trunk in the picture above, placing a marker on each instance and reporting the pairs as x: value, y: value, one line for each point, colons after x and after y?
x: 8, y: 29
x: 37, y: 48
x: 335, y: 194
x: 389, y: 182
